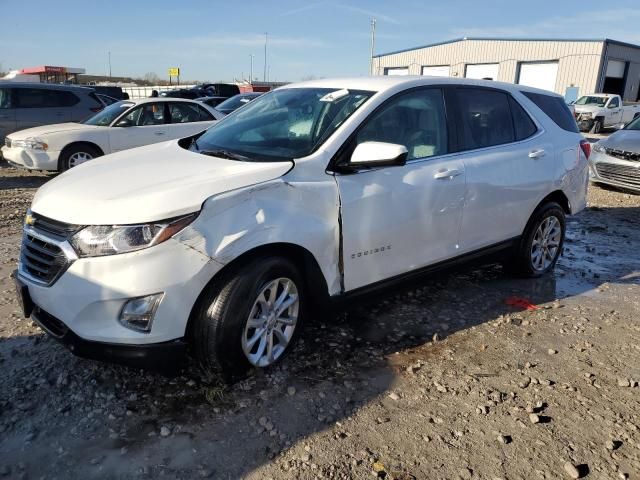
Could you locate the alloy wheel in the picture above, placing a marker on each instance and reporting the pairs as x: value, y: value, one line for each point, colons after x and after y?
x: 546, y: 243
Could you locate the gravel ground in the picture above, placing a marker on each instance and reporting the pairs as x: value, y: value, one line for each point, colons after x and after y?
x: 444, y: 379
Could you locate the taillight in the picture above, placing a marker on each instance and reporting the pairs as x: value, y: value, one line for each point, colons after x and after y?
x: 586, y: 148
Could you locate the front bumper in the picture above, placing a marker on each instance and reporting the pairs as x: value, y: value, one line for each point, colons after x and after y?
x: 614, y: 171
x: 88, y: 297
x: 31, y: 159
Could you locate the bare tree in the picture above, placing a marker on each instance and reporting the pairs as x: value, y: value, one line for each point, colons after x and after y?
x: 151, y: 78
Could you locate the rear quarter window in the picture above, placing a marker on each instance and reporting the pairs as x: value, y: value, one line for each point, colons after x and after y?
x: 555, y: 109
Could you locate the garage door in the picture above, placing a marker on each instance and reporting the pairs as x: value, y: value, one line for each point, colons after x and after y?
x: 488, y: 71
x: 441, y: 71
x: 615, y: 69
x: 539, y: 75
x: 397, y: 71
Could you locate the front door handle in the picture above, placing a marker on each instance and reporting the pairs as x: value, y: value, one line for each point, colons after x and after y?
x: 447, y: 174
x: 159, y: 133
x: 537, y: 153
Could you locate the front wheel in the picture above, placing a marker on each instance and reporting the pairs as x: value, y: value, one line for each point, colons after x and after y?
x: 250, y: 318
x: 541, y: 243
x: 76, y: 155
x: 597, y: 126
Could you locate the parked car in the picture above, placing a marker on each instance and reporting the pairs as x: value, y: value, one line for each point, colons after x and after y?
x: 313, y: 193
x: 190, y: 93
x: 603, y: 110
x: 119, y: 126
x: 226, y: 90
x: 25, y: 105
x: 616, y: 159
x: 236, y: 102
x: 112, y: 91
x: 213, y: 102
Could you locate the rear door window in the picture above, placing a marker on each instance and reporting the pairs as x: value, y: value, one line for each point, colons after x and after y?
x: 522, y: 123
x: 187, y: 113
x: 555, y: 108
x: 44, y: 98
x: 484, y: 118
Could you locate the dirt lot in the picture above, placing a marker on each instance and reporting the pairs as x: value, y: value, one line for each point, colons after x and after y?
x: 444, y: 379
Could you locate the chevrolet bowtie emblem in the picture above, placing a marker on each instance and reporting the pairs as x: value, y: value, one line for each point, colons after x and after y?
x: 29, y: 219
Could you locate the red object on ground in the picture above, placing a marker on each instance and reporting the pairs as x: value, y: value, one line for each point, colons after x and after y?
x: 521, y: 302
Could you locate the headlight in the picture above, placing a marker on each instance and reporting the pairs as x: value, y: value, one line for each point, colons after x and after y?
x: 30, y: 143
x: 100, y: 240
x: 586, y: 115
x: 599, y: 148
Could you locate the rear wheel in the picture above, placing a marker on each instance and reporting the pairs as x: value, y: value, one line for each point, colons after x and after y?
x: 250, y: 318
x: 76, y: 155
x: 541, y: 243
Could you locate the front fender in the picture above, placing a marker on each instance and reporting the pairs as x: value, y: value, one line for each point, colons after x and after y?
x: 278, y: 211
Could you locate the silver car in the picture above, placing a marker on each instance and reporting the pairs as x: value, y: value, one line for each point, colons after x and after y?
x: 26, y: 105
x: 616, y: 159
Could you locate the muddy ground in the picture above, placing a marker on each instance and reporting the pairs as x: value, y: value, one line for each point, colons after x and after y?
x: 441, y: 379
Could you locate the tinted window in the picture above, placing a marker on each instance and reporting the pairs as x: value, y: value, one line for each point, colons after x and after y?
x: 187, y: 112
x: 415, y: 120
x: 614, y: 102
x: 5, y: 98
x: 484, y: 118
x: 108, y: 114
x: 44, y: 98
x: 147, y: 114
x: 522, y: 122
x: 555, y: 109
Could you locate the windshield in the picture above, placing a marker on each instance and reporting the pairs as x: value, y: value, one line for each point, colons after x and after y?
x: 107, y: 115
x: 282, y: 125
x: 236, y: 102
x: 633, y: 125
x: 589, y: 100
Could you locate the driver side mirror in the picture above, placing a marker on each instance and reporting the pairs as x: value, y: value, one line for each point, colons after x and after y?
x: 124, y: 123
x: 378, y: 154
x: 611, y: 106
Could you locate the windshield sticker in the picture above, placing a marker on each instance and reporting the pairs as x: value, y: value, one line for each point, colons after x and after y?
x: 333, y: 96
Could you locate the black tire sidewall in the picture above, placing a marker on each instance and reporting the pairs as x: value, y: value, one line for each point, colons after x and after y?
x: 229, y: 307
x: 524, y: 260
x: 64, y: 159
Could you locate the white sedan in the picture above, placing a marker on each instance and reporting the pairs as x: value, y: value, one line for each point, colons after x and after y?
x: 120, y: 126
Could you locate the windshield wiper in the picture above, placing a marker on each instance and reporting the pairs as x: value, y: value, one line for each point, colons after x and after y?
x: 225, y: 154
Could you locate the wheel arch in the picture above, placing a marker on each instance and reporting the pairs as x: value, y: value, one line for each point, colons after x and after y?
x: 315, y: 282
x: 559, y: 197
x: 75, y: 144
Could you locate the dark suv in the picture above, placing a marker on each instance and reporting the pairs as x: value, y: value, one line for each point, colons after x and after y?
x: 26, y: 105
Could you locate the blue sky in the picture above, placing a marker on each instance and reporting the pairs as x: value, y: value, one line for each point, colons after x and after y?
x: 213, y: 40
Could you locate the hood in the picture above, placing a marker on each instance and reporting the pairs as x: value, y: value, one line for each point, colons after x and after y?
x: 146, y: 184
x: 627, y: 140
x: 586, y: 108
x: 48, y: 129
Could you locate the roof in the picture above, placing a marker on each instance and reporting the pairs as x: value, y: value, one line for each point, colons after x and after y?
x: 512, y: 39
x: 54, y: 86
x: 138, y: 101
x: 397, y: 83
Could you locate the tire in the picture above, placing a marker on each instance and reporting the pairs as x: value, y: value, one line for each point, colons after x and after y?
x: 77, y: 154
x: 597, y: 126
x: 221, y: 334
x: 526, y: 262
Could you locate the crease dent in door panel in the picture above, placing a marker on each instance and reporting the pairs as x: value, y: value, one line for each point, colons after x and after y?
x: 304, y: 214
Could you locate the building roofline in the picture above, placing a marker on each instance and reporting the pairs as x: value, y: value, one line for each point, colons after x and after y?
x: 511, y: 39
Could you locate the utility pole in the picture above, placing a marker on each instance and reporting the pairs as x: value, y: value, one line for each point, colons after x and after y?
x: 109, y: 64
x: 373, y: 44
x: 266, y: 35
x: 251, y: 76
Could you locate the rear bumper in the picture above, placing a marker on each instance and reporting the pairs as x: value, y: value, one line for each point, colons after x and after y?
x: 31, y: 159
x: 165, y: 356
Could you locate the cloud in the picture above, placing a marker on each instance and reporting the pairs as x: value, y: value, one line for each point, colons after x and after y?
x: 587, y: 24
x: 310, y: 6
x: 368, y: 13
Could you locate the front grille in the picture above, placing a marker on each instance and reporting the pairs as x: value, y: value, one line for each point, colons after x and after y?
x: 619, y: 173
x: 623, y: 154
x: 41, y: 255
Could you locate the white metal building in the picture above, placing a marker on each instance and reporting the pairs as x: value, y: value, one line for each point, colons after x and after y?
x: 569, y: 67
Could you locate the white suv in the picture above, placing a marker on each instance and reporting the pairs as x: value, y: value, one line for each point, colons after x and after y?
x: 314, y: 192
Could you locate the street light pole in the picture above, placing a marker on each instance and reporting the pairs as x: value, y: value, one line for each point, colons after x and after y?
x: 251, y: 76
x: 109, y: 64
x: 264, y: 78
x: 373, y: 44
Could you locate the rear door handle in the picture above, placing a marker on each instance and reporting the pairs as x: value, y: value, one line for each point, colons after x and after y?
x: 159, y: 133
x: 447, y: 174
x: 537, y: 153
